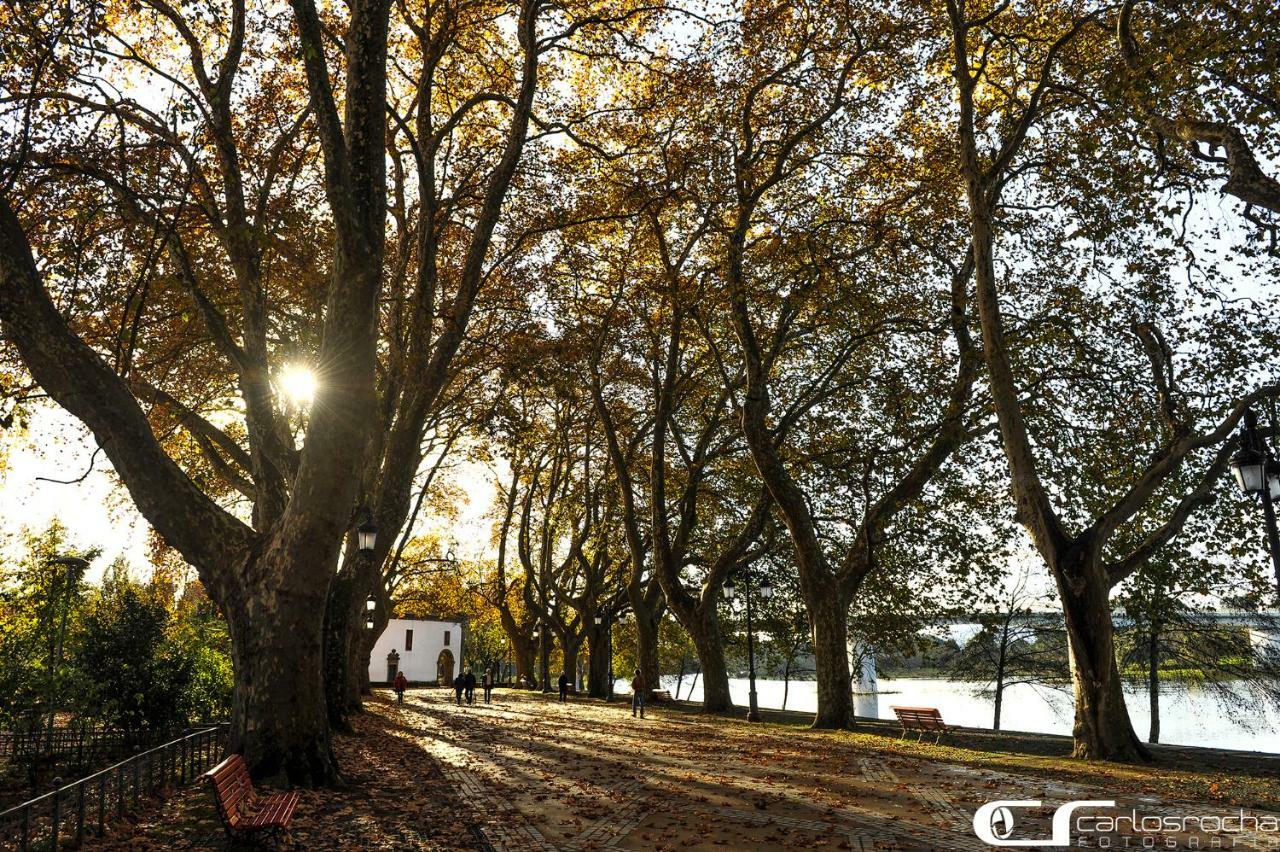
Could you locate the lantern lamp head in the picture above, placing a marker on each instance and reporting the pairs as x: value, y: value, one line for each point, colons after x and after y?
x: 1249, y: 465
x: 766, y: 589
x: 367, y: 534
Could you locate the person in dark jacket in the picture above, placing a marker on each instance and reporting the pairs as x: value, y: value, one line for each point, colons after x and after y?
x: 486, y: 681
x: 564, y: 687
x: 400, y: 684
x: 471, y: 687
x: 459, y: 686
x: 638, y: 690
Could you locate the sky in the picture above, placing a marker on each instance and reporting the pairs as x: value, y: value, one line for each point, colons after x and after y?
x: 98, y: 513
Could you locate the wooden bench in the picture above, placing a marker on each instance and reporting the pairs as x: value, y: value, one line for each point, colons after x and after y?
x: 923, y: 720
x: 658, y: 696
x: 243, y: 812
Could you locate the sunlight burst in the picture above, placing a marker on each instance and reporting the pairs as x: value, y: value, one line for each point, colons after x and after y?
x: 298, y: 383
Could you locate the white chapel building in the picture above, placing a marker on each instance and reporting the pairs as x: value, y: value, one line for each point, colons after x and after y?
x: 426, y: 650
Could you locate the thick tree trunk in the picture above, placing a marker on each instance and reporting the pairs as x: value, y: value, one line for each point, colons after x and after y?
x: 544, y: 659
x: 1102, y: 728
x: 572, y: 647
x: 348, y: 641
x: 337, y: 652
x: 704, y: 630
x: 647, y: 623
x: 524, y: 652
x: 598, y: 661
x: 829, y: 615
x: 279, y: 720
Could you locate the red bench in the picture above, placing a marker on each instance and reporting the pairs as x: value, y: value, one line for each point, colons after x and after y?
x: 924, y: 720
x: 243, y: 812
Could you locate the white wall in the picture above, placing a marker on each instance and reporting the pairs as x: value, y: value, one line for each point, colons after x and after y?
x: 420, y: 664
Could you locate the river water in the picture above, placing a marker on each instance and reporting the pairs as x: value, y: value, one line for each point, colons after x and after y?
x: 1187, y: 716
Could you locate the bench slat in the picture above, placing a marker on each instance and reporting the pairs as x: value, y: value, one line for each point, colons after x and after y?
x: 922, y: 719
x: 239, y: 807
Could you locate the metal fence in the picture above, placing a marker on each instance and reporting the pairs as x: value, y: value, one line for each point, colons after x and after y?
x: 62, y: 816
x: 79, y: 743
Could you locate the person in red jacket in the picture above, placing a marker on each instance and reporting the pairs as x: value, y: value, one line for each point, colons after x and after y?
x: 399, y: 685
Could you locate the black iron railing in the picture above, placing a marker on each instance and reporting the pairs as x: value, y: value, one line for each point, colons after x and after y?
x: 62, y: 816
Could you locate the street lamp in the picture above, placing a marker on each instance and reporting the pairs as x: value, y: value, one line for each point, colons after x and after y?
x: 367, y: 534
x: 1257, y: 473
x: 766, y: 591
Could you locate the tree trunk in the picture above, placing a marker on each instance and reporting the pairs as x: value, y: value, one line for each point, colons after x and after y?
x: 647, y: 618
x: 572, y: 647
x: 524, y: 654
x: 347, y: 641
x: 1102, y: 728
x: 786, y: 683
x: 598, y: 661
x: 704, y: 630
x: 544, y: 658
x: 1153, y: 682
x: 279, y: 720
x: 337, y: 652
x: 1000, y: 666
x: 831, y: 660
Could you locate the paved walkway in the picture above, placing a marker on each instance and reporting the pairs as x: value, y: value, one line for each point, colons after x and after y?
x: 539, y: 775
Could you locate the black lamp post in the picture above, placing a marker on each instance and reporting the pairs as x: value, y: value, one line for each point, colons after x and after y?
x: 1257, y: 472
x: 537, y: 640
x: 366, y: 541
x: 766, y: 591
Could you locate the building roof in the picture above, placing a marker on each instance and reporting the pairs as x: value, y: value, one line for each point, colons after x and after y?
x: 439, y: 619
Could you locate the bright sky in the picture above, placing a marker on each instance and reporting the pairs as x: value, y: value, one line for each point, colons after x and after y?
x: 98, y: 512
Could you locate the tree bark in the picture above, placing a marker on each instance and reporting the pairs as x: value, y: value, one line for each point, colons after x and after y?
x: 708, y: 641
x: 1102, y: 729
x: 571, y: 647
x: 279, y: 721
x: 598, y: 661
x: 648, y: 615
x: 829, y: 615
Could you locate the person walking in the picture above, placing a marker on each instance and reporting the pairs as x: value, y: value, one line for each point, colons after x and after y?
x: 400, y: 684
x: 459, y: 686
x: 564, y: 687
x: 487, y: 682
x: 637, y: 694
x: 471, y: 687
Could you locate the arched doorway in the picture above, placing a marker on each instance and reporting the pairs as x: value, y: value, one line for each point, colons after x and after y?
x: 444, y: 668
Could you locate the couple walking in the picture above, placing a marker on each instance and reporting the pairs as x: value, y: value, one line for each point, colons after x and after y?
x: 465, y: 685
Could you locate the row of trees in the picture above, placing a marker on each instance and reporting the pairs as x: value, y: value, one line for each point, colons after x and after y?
x: 780, y: 285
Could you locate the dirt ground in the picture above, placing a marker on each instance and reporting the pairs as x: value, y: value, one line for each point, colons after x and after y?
x: 527, y: 772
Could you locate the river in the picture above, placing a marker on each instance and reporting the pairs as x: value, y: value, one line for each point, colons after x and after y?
x: 1188, y: 716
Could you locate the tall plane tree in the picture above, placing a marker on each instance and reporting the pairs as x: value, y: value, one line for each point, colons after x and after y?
x: 1115, y: 379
